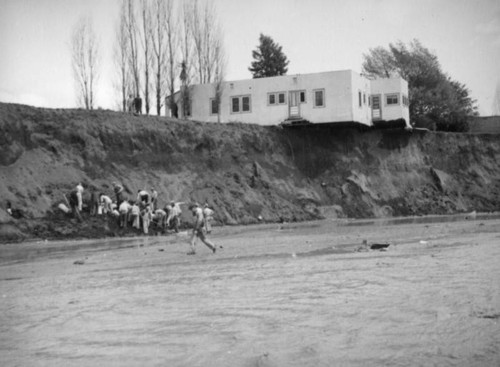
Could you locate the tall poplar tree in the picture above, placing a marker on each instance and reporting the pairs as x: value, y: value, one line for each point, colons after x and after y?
x: 84, y: 59
x: 120, y: 55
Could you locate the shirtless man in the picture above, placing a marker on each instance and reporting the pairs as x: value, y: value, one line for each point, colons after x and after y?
x: 199, y: 230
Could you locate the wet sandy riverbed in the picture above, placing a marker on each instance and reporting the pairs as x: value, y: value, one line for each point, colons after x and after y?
x: 274, y: 295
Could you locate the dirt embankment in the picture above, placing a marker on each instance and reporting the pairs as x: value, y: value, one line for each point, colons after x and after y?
x: 243, y: 171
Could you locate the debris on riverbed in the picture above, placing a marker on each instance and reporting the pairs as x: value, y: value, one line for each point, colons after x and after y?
x: 374, y: 246
x: 484, y: 315
x: 379, y: 246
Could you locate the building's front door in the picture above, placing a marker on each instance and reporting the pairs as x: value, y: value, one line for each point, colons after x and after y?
x: 376, y: 108
x: 294, y: 104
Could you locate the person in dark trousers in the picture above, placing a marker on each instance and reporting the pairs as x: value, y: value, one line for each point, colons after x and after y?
x: 119, y: 193
x: 73, y: 202
x: 175, y: 110
x: 94, y: 203
x: 138, y: 105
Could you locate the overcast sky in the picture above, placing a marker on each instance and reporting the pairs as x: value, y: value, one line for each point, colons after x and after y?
x: 316, y: 35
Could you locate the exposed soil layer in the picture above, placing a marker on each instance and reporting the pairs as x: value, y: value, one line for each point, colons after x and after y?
x: 248, y: 173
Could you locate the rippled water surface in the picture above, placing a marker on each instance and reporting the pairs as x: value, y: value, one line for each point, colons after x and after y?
x: 287, y: 295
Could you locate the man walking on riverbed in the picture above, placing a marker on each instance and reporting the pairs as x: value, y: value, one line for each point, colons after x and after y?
x: 199, y: 229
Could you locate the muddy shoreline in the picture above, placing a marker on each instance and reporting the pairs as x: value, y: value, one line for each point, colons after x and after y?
x: 295, y: 294
x: 62, y: 227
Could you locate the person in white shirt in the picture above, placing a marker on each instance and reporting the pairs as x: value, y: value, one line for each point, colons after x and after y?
x: 174, y: 215
x: 106, y: 204
x: 124, y: 209
x: 146, y: 215
x: 79, y: 194
x: 209, y: 216
x: 135, y: 212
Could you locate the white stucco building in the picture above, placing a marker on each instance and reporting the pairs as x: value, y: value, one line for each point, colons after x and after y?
x: 327, y: 97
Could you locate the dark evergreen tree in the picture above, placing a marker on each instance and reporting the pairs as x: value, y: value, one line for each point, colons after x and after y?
x: 433, y: 95
x: 269, y: 59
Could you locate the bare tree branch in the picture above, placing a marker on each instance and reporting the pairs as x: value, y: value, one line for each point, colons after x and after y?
x: 121, y: 57
x: 206, y: 35
x: 186, y: 73
x: 200, y: 24
x: 159, y: 11
x: 172, y: 38
x: 133, y: 53
x: 85, y: 58
x: 146, y: 25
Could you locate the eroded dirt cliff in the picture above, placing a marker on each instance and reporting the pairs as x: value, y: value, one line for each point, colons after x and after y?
x: 244, y: 171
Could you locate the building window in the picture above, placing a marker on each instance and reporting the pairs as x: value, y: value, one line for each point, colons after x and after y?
x: 214, y: 107
x: 272, y: 98
x: 319, y: 98
x: 245, y: 102
x: 276, y: 98
x: 240, y: 104
x: 235, y: 105
x: 302, y: 96
x: 364, y: 99
x: 392, y: 99
x: 281, y: 98
x: 359, y: 99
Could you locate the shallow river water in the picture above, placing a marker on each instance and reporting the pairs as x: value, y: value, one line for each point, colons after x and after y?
x: 274, y: 295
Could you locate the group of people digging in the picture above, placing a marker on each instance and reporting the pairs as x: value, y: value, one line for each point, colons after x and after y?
x: 143, y: 212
